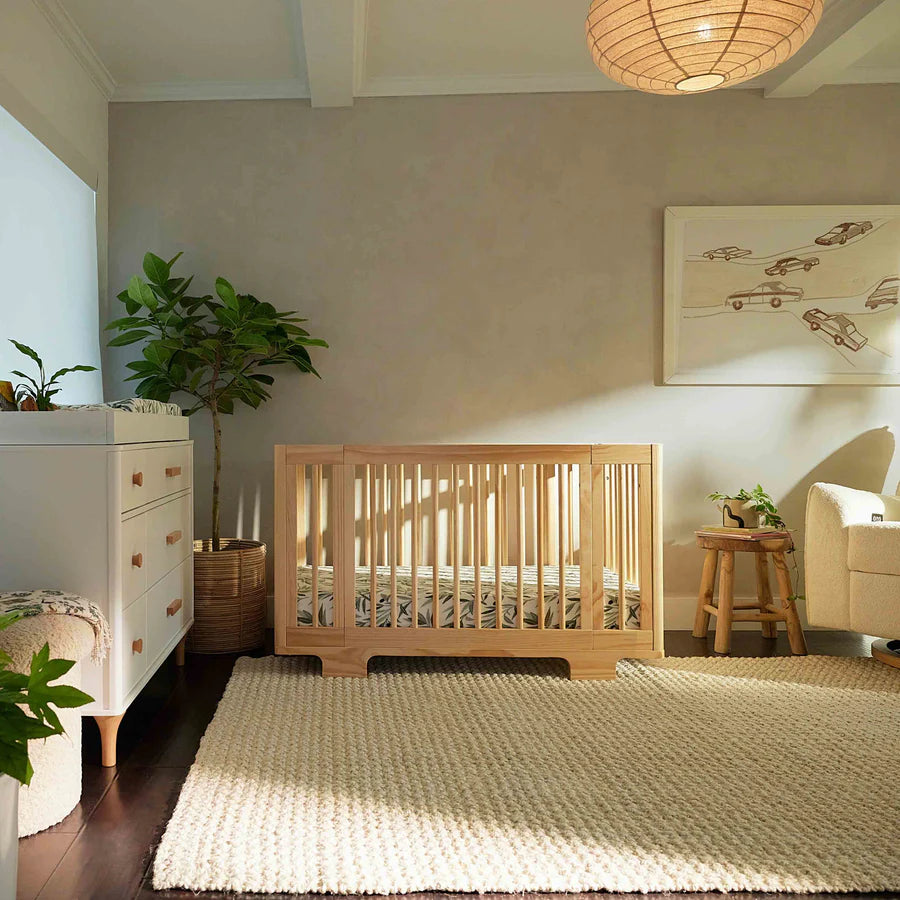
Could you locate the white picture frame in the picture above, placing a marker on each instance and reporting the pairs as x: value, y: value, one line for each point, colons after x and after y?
x: 781, y: 295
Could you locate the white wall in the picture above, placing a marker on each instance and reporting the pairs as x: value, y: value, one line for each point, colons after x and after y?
x: 45, y: 89
x: 490, y: 269
x: 48, y: 265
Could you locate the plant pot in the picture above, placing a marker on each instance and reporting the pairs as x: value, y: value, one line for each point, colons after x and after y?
x: 738, y: 514
x: 229, y: 597
x: 9, y: 835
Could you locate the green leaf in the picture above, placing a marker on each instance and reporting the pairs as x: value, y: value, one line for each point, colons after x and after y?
x: 23, y: 348
x: 226, y: 294
x: 126, y: 322
x: 129, y: 337
x: 140, y: 292
x: 156, y: 269
x: 79, y: 368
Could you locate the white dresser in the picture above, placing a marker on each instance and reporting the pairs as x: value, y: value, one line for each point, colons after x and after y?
x: 112, y: 522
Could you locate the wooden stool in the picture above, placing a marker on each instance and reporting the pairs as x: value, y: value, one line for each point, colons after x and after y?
x: 764, y: 610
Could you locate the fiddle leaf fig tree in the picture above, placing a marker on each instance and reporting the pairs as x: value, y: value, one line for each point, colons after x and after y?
x: 216, y: 348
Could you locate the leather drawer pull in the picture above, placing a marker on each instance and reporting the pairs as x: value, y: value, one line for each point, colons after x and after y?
x: 138, y: 479
x: 173, y: 607
x: 173, y: 471
x: 137, y: 560
x: 137, y: 646
x: 173, y: 537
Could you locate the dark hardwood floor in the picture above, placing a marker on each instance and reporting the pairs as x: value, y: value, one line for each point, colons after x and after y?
x: 103, y: 850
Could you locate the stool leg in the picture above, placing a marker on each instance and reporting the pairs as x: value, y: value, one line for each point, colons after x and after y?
x: 764, y: 593
x: 707, y: 586
x: 791, y: 619
x: 726, y: 602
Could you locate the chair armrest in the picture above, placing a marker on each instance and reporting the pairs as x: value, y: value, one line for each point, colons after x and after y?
x: 830, y: 511
x: 874, y: 547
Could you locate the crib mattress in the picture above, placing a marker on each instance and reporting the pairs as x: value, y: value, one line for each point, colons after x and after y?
x: 425, y: 590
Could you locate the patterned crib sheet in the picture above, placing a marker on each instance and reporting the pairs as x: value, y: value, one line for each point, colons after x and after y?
x: 133, y: 404
x: 425, y: 581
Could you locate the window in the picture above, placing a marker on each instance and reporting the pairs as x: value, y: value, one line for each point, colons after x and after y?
x: 48, y: 264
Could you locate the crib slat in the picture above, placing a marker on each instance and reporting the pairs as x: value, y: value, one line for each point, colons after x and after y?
x: 498, y: 549
x: 416, y: 488
x: 384, y: 515
x: 372, y: 477
x: 520, y: 548
x: 485, y: 492
x: 598, y: 546
x: 392, y: 541
x: 541, y: 513
x: 316, y: 520
x: 585, y: 545
x: 571, y: 507
x: 302, y: 516
x: 367, y: 517
x: 435, y: 570
x: 621, y: 505
x: 454, y: 539
x: 470, y: 519
x: 476, y: 509
x: 561, y: 550
x: 401, y: 514
x: 645, y: 551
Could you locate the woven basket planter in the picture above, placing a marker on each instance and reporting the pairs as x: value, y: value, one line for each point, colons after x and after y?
x: 229, y: 596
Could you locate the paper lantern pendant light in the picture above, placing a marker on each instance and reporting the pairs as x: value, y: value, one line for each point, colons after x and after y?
x: 689, y: 46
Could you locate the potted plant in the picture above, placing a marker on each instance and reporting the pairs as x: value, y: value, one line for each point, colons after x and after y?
x: 747, y: 509
x: 218, y: 350
x: 26, y: 714
x: 37, y: 396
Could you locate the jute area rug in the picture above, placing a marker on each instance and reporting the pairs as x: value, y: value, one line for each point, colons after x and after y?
x: 474, y: 775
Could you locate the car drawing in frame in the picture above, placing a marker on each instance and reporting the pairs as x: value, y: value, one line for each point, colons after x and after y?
x: 843, y: 332
x: 842, y: 233
x: 727, y: 253
x: 887, y: 292
x: 792, y: 264
x: 772, y: 292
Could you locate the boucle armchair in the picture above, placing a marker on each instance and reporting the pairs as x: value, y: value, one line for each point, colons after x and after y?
x: 853, y: 563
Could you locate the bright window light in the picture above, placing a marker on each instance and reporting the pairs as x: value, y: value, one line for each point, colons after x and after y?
x: 48, y: 264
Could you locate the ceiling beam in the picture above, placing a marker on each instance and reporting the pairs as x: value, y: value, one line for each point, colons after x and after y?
x: 323, y: 33
x: 847, y: 32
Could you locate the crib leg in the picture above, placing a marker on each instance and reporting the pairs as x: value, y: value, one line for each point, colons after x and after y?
x: 346, y: 662
x: 591, y: 666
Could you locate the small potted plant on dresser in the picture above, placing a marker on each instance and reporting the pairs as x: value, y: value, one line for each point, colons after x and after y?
x: 26, y: 714
x: 217, y: 349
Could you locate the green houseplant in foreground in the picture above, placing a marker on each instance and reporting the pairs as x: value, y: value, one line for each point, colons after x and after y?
x: 218, y: 349
x: 26, y: 714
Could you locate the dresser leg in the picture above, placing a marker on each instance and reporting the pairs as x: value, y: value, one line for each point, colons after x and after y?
x: 179, y: 652
x: 109, y: 728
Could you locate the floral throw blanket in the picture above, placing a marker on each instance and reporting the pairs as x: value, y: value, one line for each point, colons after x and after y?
x: 35, y: 603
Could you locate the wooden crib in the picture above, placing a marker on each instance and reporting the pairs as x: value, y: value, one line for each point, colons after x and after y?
x: 405, y: 550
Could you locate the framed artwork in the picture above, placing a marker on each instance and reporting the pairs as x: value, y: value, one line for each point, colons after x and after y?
x: 782, y: 295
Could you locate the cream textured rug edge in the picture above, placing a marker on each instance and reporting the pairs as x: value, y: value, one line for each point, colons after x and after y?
x: 503, y: 776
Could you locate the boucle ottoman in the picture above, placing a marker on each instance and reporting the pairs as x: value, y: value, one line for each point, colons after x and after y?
x: 55, y: 788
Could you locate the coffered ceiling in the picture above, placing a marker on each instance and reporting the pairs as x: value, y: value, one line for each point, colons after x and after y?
x: 332, y: 51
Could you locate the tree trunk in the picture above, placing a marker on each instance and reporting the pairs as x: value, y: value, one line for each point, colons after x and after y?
x: 217, y: 437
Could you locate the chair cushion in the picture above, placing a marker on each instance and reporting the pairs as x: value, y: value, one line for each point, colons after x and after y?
x: 874, y: 547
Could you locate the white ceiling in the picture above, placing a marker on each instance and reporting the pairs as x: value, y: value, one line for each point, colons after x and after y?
x: 335, y: 50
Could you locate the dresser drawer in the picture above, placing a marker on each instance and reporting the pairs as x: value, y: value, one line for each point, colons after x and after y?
x: 170, y: 606
x: 148, y: 475
x: 169, y: 541
x: 134, y: 651
x: 134, y: 560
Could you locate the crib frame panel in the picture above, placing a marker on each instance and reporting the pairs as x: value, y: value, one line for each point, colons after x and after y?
x: 583, y: 505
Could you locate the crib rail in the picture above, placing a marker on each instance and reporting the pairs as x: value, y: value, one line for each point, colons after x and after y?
x: 467, y: 539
